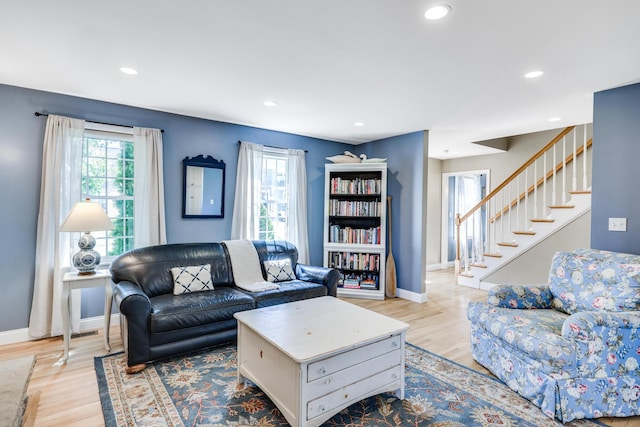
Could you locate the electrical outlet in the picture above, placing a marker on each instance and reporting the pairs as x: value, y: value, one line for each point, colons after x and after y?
x: 617, y: 224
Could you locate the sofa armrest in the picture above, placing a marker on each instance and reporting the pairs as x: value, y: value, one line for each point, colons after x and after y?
x: 520, y: 296
x: 326, y: 276
x: 592, y: 325
x: 135, y: 309
x: 131, y: 300
x: 606, y: 343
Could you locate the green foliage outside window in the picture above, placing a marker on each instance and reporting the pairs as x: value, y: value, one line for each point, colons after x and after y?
x: 267, y: 231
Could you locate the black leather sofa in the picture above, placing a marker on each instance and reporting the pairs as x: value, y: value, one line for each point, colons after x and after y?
x: 155, y: 323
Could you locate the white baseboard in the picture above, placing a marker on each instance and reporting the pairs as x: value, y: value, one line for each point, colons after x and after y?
x: 412, y: 296
x: 88, y: 324
x: 14, y: 336
x: 434, y: 267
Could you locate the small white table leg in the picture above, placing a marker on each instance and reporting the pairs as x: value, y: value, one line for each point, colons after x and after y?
x: 66, y: 319
x: 108, y: 296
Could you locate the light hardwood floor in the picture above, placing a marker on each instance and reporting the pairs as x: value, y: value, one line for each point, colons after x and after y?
x: 67, y: 395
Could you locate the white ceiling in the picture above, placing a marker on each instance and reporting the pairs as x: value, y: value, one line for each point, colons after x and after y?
x: 331, y: 63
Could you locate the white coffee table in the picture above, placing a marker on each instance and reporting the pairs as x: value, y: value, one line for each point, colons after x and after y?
x: 315, y: 357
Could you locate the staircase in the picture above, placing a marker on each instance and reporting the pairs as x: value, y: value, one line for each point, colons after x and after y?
x: 545, y: 194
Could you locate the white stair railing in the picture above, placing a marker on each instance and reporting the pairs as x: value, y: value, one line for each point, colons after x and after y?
x: 499, y: 217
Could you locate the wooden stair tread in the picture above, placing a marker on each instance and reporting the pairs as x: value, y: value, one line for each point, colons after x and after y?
x: 561, y: 207
x: 466, y: 275
x: 525, y: 233
x: 478, y: 265
x: 542, y: 220
x: 493, y: 255
x: 580, y: 192
x: 509, y: 244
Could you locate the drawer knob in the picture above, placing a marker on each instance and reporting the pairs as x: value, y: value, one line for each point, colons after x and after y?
x: 321, y: 408
x: 327, y: 381
x: 322, y: 371
x: 394, y: 376
x: 394, y: 344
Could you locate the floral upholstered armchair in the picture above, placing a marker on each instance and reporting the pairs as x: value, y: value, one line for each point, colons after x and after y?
x: 571, y: 346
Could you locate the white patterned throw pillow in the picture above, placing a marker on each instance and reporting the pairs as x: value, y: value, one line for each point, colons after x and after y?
x: 191, y: 278
x: 279, y: 270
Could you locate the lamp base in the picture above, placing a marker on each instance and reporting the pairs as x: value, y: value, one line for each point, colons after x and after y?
x: 86, y: 259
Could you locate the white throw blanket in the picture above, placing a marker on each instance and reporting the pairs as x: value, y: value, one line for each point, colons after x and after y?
x: 245, y: 264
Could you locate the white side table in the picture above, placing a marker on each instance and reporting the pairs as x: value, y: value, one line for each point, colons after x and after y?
x: 70, y: 281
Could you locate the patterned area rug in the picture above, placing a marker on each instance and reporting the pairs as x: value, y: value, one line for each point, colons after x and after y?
x: 201, y: 390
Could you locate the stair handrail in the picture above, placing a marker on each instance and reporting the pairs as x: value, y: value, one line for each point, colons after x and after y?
x: 514, y: 175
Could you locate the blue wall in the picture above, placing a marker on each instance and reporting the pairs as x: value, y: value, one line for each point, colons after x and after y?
x: 616, y: 175
x: 406, y: 159
x: 21, y: 135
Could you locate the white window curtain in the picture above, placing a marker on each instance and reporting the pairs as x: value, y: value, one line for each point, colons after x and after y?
x: 246, y: 214
x: 148, y: 187
x: 245, y: 222
x: 297, y: 185
x: 60, y: 188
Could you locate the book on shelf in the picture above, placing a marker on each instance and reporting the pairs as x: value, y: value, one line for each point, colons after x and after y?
x: 355, y: 186
x: 355, y: 208
x: 354, y: 261
x: 369, y: 282
x: 351, y: 283
x: 367, y: 236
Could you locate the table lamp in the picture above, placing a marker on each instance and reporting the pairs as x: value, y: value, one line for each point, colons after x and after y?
x: 86, y: 216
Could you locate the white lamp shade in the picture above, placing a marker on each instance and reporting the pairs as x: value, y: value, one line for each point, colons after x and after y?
x: 87, y: 216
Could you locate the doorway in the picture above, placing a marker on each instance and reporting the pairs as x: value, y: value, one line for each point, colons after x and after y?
x: 461, y: 191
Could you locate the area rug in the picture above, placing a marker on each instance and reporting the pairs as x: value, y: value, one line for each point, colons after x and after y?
x: 14, y: 381
x: 201, y: 390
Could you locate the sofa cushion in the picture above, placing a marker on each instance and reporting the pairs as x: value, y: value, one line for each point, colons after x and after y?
x: 192, y: 278
x: 279, y: 270
x: 537, y: 333
x: 594, y: 280
x: 170, y: 312
x: 276, y: 250
x: 294, y: 290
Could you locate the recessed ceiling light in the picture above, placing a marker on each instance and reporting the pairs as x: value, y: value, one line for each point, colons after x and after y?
x: 437, y: 12
x: 270, y: 103
x: 128, y: 70
x: 534, y: 74
x: 358, y: 124
x: 555, y: 119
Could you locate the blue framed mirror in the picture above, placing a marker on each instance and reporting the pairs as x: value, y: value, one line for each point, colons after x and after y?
x: 203, y: 190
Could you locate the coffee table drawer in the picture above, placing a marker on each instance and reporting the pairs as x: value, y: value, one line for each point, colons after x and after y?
x: 353, y: 392
x: 341, y: 361
x: 358, y: 372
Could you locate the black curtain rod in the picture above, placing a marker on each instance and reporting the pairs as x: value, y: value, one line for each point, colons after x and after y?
x: 90, y: 121
x: 271, y: 146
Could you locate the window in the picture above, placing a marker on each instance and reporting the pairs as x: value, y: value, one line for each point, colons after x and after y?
x: 273, y: 197
x: 107, y: 178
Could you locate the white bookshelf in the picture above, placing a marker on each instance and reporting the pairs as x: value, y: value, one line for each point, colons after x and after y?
x: 355, y: 219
